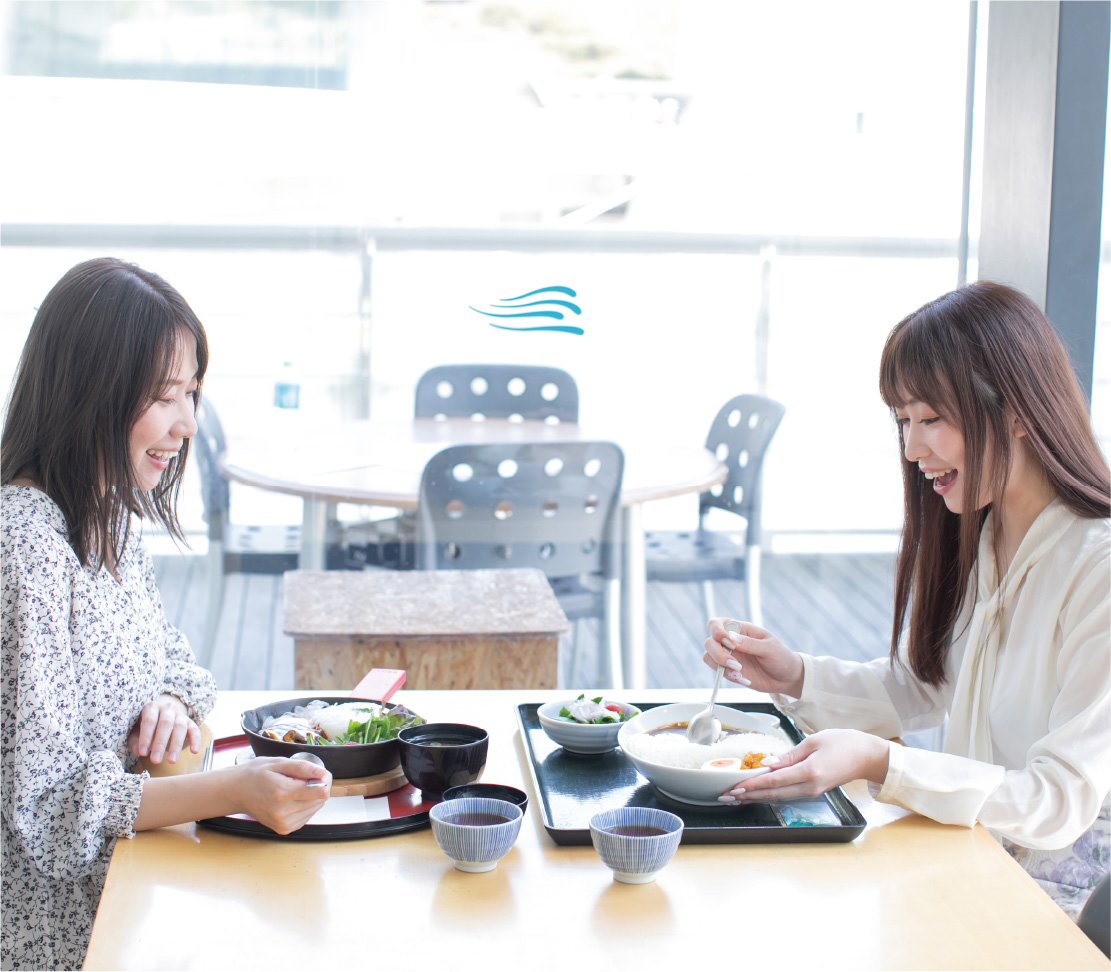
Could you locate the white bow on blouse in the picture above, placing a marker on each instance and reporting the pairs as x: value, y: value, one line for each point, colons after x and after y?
x: 969, y: 732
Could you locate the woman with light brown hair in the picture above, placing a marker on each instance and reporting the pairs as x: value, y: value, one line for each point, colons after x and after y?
x: 1002, y: 617
x: 97, y: 432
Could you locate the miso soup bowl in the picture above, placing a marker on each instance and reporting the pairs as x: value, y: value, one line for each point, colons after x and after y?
x: 439, y: 755
x: 696, y: 786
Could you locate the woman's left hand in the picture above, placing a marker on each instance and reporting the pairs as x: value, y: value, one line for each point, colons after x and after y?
x: 162, y: 729
x: 819, y: 763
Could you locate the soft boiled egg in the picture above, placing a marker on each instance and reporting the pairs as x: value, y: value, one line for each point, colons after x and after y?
x: 722, y: 764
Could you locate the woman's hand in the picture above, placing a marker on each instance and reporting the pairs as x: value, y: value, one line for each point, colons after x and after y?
x: 754, y: 657
x: 819, y: 763
x: 272, y: 790
x: 162, y: 728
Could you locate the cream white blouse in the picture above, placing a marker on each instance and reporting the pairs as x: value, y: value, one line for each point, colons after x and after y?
x: 1034, y: 705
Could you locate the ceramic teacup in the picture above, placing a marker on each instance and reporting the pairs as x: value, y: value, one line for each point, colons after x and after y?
x: 635, y: 842
x: 475, y: 832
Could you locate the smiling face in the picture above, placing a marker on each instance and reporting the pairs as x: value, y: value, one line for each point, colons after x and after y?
x: 158, y: 434
x: 937, y: 447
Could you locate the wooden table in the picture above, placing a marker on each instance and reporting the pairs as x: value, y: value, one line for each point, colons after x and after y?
x: 380, y: 464
x: 449, y: 629
x: 908, y: 893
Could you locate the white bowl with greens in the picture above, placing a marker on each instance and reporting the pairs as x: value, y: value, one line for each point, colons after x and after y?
x: 588, y: 724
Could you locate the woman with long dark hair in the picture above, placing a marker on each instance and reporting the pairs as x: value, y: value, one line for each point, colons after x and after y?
x: 96, y: 435
x: 1002, y: 604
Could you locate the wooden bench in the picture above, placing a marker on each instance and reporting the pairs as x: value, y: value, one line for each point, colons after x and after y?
x: 448, y: 629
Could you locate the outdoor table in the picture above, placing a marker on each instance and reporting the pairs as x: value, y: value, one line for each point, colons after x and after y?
x: 908, y: 893
x: 380, y: 464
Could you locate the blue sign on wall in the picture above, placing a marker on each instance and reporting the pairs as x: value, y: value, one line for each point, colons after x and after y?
x: 550, y: 305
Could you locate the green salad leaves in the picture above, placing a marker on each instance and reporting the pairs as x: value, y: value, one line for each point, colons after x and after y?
x: 595, y: 712
x: 386, y: 726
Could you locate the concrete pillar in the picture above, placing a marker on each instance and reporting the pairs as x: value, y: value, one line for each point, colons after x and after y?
x: 1045, y: 115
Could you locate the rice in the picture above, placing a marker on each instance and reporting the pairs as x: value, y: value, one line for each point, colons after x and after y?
x: 334, y: 720
x: 672, y: 749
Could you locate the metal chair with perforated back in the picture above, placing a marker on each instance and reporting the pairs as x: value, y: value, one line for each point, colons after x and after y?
x: 232, y: 548
x: 493, y: 391
x: 497, y: 391
x: 553, y: 506
x: 739, y: 435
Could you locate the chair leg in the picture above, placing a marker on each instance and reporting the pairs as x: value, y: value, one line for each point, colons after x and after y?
x: 752, y: 586
x: 215, y: 583
x: 567, y: 672
x: 708, y: 603
x: 609, y: 637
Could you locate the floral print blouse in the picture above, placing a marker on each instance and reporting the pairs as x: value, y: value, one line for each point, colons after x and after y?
x: 82, y: 654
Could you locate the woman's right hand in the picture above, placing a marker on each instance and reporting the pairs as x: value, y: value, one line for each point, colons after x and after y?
x: 272, y: 790
x: 754, y: 657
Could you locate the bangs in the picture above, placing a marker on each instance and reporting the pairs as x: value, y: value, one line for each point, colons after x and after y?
x: 916, y: 365
x: 170, y: 349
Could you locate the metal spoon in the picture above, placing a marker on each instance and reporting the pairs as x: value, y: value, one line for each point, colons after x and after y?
x: 310, y: 758
x: 703, y: 729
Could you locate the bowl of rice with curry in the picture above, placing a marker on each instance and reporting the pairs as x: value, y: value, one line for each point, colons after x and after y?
x: 655, y: 742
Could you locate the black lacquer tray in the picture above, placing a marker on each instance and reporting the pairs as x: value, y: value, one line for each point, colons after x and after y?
x: 571, y: 788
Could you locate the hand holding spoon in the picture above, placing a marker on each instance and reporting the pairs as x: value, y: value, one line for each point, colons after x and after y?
x: 310, y: 758
x: 704, y: 729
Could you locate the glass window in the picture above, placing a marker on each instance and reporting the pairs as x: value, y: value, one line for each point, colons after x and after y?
x: 337, y: 186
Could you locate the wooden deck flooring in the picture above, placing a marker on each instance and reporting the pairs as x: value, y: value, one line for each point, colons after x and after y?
x: 825, y: 604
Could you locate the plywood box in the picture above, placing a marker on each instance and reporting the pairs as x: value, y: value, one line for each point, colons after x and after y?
x: 448, y: 629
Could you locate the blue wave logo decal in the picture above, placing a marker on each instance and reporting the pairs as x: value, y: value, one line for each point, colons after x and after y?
x: 518, y: 310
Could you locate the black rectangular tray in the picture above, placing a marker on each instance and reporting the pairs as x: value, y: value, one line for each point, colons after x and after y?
x: 571, y: 788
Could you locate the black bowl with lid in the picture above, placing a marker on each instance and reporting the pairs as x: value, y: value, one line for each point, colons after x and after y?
x: 491, y: 791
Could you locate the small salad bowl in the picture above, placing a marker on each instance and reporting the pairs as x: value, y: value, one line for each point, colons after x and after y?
x: 589, y: 739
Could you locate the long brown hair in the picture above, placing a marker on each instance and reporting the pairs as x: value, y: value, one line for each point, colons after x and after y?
x: 974, y: 355
x: 105, y: 342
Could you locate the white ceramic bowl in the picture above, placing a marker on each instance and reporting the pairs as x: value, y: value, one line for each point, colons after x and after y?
x: 579, y: 737
x: 698, y: 786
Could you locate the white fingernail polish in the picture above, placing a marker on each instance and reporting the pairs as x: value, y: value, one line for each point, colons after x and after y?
x: 726, y: 799
x: 731, y: 645
x: 770, y: 761
x: 733, y: 664
x: 737, y: 792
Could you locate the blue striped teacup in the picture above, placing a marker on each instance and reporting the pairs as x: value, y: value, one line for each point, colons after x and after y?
x: 635, y: 842
x: 468, y: 831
